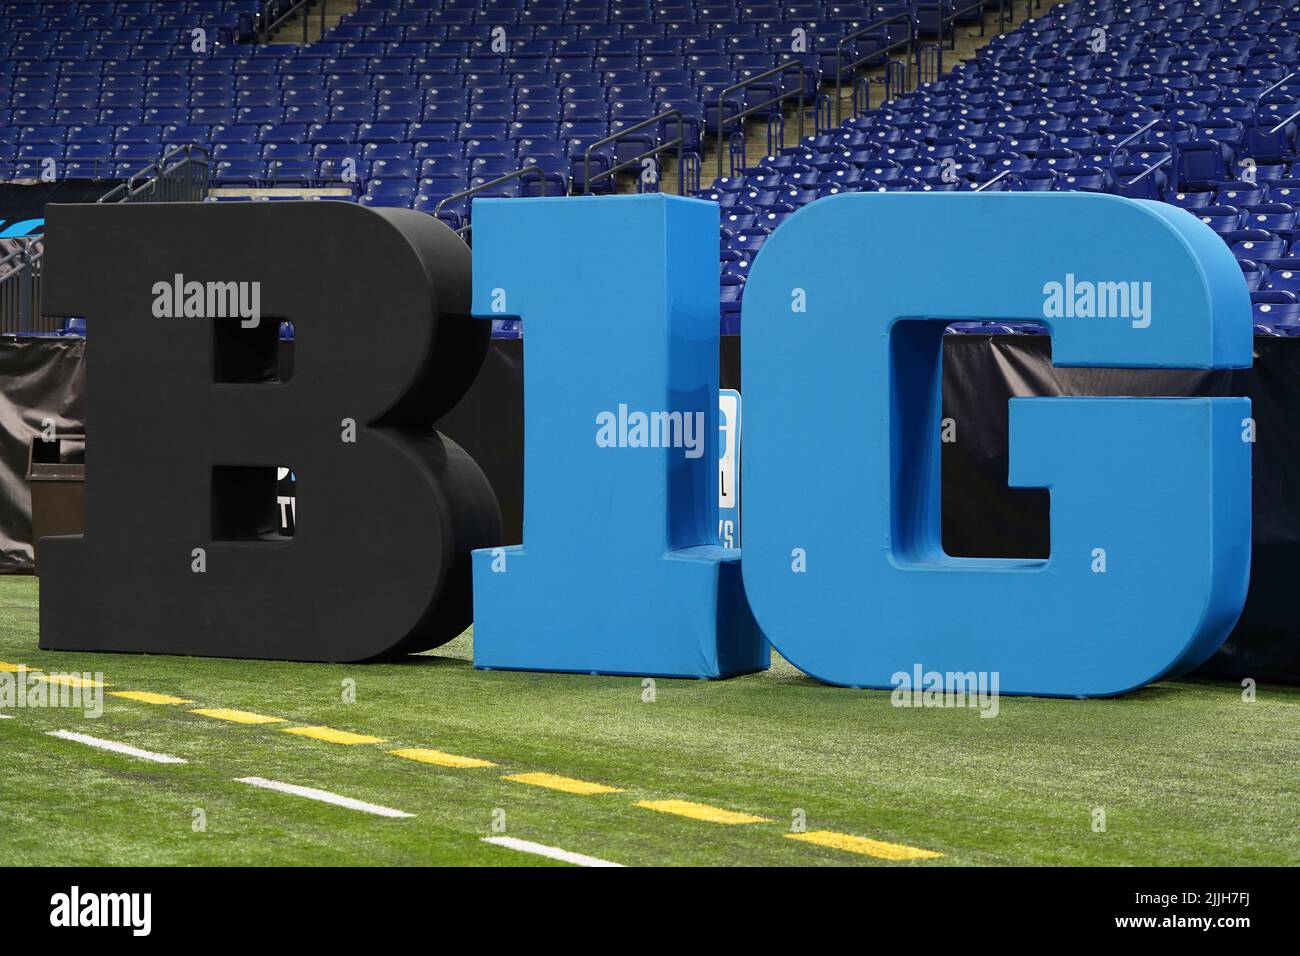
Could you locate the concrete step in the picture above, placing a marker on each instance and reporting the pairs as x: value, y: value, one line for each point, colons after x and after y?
x: 291, y: 31
x: 968, y: 42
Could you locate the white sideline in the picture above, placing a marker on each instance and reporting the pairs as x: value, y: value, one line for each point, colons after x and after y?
x: 114, y: 747
x: 324, y: 796
x: 6, y: 716
x: 554, y: 853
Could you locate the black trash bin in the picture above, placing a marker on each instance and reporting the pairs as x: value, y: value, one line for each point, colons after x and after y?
x: 56, y: 472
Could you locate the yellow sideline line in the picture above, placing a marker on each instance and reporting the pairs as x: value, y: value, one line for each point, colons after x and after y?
x: 148, y: 697
x: 856, y: 844
x: 330, y: 735
x: 700, y: 811
x: 440, y: 758
x: 551, y: 781
x: 70, y: 680
x: 237, y: 716
x: 847, y: 842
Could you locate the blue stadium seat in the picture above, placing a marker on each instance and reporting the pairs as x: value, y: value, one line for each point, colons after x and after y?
x: 1275, y: 308
x: 409, y: 103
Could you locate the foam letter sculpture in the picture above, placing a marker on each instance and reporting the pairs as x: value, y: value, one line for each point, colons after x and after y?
x: 1150, y: 498
x: 619, y: 571
x: 189, y: 420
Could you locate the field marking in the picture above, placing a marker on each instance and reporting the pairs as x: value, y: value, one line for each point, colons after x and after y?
x: 550, y: 852
x: 440, y: 758
x: 330, y: 735
x: 236, y: 716
x: 148, y: 697
x: 7, y: 668
x: 324, y: 796
x: 551, y: 781
x: 70, y: 680
x: 856, y: 844
x: 700, y: 811
x: 6, y: 717
x: 115, y: 747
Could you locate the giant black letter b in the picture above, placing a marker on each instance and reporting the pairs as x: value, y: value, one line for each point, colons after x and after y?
x: 188, y: 421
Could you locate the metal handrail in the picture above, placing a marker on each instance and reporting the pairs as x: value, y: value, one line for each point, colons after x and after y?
x: 1129, y: 138
x: 156, y: 172
x: 16, y: 254
x: 101, y: 166
x: 840, y: 66
x: 520, y: 173
x: 1254, y: 113
x: 1136, y: 133
x: 1254, y: 127
x: 1149, y: 170
x: 1263, y: 93
x: 271, y: 25
x: 886, y: 79
x: 679, y: 142
x: 20, y: 287
x: 952, y: 19
x: 780, y: 98
x: 984, y: 185
x: 1293, y: 116
x: 937, y: 47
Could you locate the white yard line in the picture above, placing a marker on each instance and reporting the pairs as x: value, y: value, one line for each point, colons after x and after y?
x: 6, y: 717
x: 550, y: 852
x: 115, y: 747
x: 324, y: 796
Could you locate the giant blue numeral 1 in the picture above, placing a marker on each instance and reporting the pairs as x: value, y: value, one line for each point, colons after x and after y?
x: 619, y: 571
x: 1150, y: 498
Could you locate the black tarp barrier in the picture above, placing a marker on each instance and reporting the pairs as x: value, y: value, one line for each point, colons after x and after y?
x: 983, y: 517
x: 42, y: 377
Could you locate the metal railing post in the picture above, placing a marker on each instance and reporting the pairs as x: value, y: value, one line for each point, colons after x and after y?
x: 20, y: 290
x: 779, y: 98
x: 921, y: 50
x: 160, y: 182
x: 25, y: 291
x: 679, y: 142
x: 474, y: 190
x: 871, y: 28
x: 267, y: 26
x: 951, y: 21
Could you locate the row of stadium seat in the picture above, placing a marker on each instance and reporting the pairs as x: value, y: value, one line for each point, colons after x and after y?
x: 551, y: 97
x: 1191, y: 101
x: 1200, y: 114
x: 29, y: 25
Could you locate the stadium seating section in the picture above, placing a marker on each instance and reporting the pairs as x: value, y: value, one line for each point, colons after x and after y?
x: 405, y: 103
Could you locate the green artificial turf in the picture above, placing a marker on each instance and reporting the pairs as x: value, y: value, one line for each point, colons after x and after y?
x: 1186, y: 772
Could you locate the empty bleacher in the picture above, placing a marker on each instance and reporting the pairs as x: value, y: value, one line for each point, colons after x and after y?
x: 1193, y: 102
x: 409, y: 102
